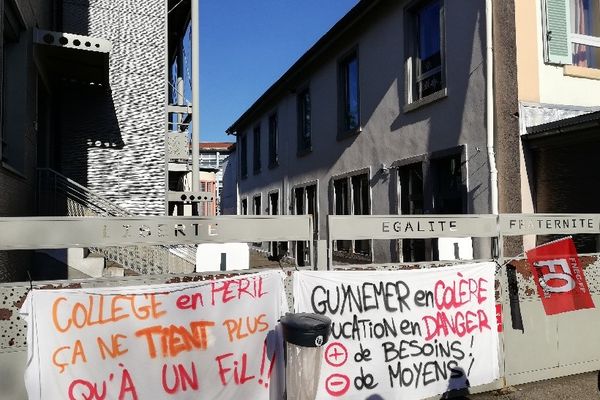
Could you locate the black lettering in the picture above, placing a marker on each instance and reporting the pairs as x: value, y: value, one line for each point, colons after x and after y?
x: 321, y: 306
x: 423, y: 298
x: 402, y: 295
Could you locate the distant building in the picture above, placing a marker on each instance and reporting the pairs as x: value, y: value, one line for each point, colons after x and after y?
x: 213, y: 156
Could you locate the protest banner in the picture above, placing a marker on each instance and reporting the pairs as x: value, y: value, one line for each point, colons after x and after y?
x: 404, y: 334
x: 213, y: 340
x: 559, y: 278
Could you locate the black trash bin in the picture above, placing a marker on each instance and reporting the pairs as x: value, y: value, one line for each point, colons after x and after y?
x: 304, y: 334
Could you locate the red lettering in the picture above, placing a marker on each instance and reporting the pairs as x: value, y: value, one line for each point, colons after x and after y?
x: 459, y: 292
x: 458, y: 323
x: 185, y: 302
x: 238, y: 369
x: 223, y: 370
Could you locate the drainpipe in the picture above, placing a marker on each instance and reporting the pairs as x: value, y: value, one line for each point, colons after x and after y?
x: 490, y: 106
x: 195, y: 46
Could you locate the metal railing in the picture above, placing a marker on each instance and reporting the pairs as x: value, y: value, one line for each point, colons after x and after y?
x: 61, y: 196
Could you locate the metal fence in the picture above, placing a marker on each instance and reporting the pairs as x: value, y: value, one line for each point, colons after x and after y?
x: 542, y: 348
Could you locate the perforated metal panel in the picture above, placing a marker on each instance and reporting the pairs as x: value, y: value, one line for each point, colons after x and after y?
x: 177, y: 145
x: 527, y: 287
x: 13, y: 329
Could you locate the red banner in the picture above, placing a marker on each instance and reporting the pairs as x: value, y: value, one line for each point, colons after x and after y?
x: 559, y: 277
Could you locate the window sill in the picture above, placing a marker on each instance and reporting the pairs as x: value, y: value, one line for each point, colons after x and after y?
x: 440, y: 94
x: 350, y: 133
x: 581, y: 72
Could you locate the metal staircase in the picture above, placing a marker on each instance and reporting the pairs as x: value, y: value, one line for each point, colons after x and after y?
x: 61, y: 196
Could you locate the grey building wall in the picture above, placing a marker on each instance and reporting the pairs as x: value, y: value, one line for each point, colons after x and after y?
x: 389, y: 134
x: 114, y: 141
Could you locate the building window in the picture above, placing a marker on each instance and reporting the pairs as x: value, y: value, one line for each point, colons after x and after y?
x: 244, y: 207
x: 572, y: 32
x: 256, y: 149
x: 449, y: 191
x: 348, y: 95
x: 244, y: 156
x: 305, y: 203
x: 273, y: 141
x: 304, y: 122
x: 277, y: 249
x: 352, y: 197
x: 256, y: 205
x: 411, y: 203
x: 425, y: 64
x: 445, y: 194
x: 585, y: 33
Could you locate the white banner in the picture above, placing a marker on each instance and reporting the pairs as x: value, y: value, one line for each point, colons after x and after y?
x: 203, y: 340
x: 404, y: 334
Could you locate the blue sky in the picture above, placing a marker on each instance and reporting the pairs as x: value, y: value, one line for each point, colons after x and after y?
x: 246, y: 45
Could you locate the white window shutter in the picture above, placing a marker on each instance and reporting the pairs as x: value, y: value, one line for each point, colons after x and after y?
x: 557, y: 48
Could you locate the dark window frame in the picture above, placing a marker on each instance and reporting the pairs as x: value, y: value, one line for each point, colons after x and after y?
x: 343, y: 99
x: 257, y: 206
x: 256, y: 156
x: 348, y: 205
x: 244, y: 206
x: 414, y: 98
x: 435, y: 195
x: 441, y: 193
x: 304, y: 123
x: 308, y: 205
x: 273, y: 140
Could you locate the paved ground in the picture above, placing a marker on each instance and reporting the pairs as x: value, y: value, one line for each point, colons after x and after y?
x: 574, y: 387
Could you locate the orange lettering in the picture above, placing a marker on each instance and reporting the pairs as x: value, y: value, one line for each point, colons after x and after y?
x: 176, y: 339
x: 114, y: 350
x: 61, y: 366
x: 55, y: 316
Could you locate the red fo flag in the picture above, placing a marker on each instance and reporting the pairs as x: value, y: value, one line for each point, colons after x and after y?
x: 559, y: 278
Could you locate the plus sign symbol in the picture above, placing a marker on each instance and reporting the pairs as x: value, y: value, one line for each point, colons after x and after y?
x: 336, y: 354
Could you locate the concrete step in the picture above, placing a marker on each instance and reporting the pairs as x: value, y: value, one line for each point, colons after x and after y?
x: 78, y: 259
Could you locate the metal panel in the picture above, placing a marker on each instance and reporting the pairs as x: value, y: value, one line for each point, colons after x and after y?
x: 534, y: 349
x: 392, y: 226
x: 189, y: 197
x: 72, y: 41
x: 525, y: 224
x: 49, y: 233
x: 576, y: 345
x: 551, y: 346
